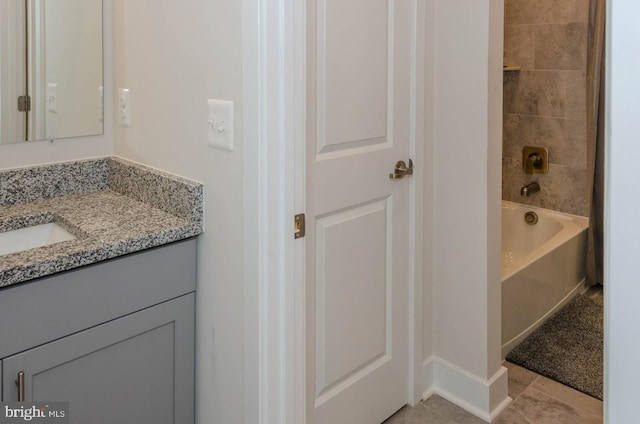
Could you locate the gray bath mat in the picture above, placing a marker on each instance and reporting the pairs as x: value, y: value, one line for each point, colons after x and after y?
x: 568, y: 347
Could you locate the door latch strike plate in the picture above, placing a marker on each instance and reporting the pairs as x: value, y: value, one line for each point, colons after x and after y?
x: 299, y: 226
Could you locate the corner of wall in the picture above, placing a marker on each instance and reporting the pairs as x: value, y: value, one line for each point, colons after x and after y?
x: 486, y: 399
x: 466, y: 366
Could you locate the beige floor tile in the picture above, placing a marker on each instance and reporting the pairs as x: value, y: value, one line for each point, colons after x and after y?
x: 450, y: 411
x: 569, y: 396
x: 417, y: 415
x: 537, y: 400
x: 539, y: 408
x: 511, y: 416
x: 519, y: 379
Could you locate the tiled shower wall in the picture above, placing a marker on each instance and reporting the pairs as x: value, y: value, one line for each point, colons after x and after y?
x: 545, y: 102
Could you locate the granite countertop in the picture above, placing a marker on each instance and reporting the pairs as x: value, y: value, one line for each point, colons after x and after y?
x: 113, y: 207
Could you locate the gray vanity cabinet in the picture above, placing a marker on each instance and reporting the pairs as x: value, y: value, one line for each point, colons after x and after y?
x: 134, y: 366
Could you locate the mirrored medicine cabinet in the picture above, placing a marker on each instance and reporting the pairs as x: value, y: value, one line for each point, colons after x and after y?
x: 51, y: 69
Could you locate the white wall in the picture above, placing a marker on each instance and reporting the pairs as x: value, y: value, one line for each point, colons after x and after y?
x: 73, y: 61
x: 467, y: 144
x: 622, y: 234
x: 39, y: 152
x: 428, y: 160
x: 173, y: 56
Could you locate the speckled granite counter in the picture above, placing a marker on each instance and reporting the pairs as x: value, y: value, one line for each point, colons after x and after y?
x: 113, y: 207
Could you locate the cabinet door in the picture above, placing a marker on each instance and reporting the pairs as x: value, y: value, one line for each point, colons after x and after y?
x: 136, y: 369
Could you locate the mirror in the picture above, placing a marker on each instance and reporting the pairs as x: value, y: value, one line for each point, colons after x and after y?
x: 50, y: 69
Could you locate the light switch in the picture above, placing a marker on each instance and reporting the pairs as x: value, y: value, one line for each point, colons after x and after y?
x: 221, y: 124
x: 52, y: 97
x: 124, y: 107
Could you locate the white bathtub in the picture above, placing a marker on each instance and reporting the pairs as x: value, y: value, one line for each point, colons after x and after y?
x: 543, y: 267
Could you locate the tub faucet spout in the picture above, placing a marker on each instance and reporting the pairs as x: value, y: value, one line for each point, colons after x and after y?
x: 526, y: 190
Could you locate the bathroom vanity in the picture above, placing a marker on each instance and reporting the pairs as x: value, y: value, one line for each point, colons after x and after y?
x: 104, y: 321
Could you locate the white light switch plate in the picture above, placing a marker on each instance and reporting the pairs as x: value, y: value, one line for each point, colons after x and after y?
x: 221, y: 124
x: 124, y: 107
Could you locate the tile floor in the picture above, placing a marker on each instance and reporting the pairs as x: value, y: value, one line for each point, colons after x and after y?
x: 536, y: 400
x: 596, y: 293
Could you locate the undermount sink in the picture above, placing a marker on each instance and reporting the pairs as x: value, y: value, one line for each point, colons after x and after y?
x: 31, y: 237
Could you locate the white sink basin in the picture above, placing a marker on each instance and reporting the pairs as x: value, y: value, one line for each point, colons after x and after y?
x: 30, y: 237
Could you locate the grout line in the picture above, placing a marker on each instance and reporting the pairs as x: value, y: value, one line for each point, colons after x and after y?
x: 544, y: 116
x: 528, y: 386
x: 545, y: 23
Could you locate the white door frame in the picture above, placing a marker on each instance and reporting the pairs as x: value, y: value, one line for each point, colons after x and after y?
x: 274, y: 109
x: 273, y: 189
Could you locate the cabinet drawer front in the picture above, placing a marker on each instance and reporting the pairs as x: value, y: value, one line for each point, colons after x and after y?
x: 136, y: 369
x: 49, y: 308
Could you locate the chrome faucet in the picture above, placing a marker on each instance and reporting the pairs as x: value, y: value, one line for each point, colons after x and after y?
x: 529, y: 188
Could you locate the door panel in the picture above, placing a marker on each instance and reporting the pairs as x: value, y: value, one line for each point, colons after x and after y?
x: 353, y: 73
x: 358, y: 126
x: 352, y: 292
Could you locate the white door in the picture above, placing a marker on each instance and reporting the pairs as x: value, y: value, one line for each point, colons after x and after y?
x: 359, y: 73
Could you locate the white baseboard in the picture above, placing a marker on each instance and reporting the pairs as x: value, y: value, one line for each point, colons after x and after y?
x: 486, y: 399
x: 425, y: 381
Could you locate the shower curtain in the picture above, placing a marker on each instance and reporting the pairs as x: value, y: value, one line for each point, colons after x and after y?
x: 595, y: 140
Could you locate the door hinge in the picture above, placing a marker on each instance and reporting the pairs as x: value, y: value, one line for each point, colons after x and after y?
x: 299, y: 226
x: 24, y: 104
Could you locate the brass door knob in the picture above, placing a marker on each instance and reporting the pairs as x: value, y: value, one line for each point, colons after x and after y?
x: 402, y: 170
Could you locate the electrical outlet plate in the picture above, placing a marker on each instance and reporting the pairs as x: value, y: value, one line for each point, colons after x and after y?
x: 124, y: 107
x: 221, y: 124
x: 52, y: 97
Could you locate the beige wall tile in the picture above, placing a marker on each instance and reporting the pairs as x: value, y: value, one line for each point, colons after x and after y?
x: 513, y: 178
x: 528, y: 130
x: 519, y: 46
x: 561, y: 46
x: 546, y: 105
x: 576, y: 105
x: 573, y: 152
x: 569, y: 11
x: 535, y: 93
x: 546, y: 11
x: 562, y: 189
x: 527, y: 11
x: 564, y: 138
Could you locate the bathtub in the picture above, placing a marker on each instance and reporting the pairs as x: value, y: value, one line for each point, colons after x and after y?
x: 543, y: 267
